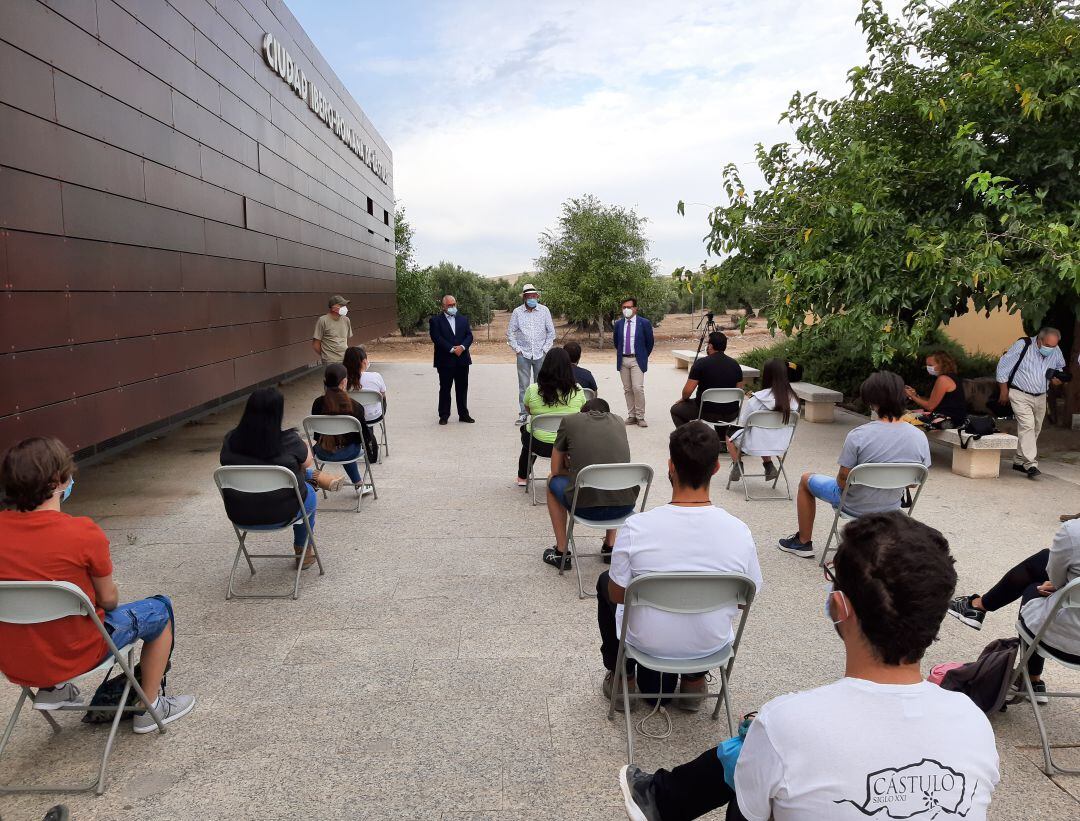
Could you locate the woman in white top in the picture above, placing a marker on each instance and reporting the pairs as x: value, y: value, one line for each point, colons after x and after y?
x: 1035, y: 581
x: 360, y: 378
x: 775, y: 395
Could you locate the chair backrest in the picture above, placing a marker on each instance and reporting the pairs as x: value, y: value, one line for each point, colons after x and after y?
x: 548, y: 422
x: 331, y: 425
x: 363, y: 396
x: 37, y: 602
x: 1068, y: 598
x: 589, y: 394
x: 723, y: 395
x: 690, y: 592
x: 255, y: 478
x: 618, y: 476
x: 887, y: 475
x: 771, y: 420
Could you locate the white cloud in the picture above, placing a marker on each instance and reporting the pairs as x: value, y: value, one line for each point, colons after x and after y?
x: 641, y: 104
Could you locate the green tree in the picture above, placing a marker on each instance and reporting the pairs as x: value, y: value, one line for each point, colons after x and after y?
x: 948, y: 173
x: 467, y: 287
x: 597, y: 256
x: 413, y: 285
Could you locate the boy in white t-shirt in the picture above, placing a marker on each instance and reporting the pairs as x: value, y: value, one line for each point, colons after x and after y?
x: 689, y: 534
x: 879, y: 742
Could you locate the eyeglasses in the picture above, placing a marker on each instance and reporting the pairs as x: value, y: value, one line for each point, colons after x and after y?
x: 829, y: 575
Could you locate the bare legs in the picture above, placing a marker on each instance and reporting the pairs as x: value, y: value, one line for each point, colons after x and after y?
x: 153, y: 659
x: 806, y: 505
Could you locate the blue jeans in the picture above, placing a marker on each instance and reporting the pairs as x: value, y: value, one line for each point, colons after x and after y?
x: 559, y: 485
x: 145, y: 619
x: 527, y: 371
x: 299, y: 531
x: 348, y: 452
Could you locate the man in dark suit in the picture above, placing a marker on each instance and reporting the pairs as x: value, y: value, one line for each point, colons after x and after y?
x: 633, y: 344
x: 452, y: 337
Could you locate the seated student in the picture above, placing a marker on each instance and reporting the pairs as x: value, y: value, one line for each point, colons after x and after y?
x: 1035, y: 582
x: 689, y: 534
x: 336, y: 402
x: 555, y: 391
x: 881, y: 738
x: 259, y: 440
x: 584, y: 377
x: 946, y: 401
x: 716, y: 370
x: 775, y: 395
x: 41, y: 543
x: 593, y: 437
x: 360, y: 378
x: 887, y: 439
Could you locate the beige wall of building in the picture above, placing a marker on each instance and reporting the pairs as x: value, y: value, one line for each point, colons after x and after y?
x: 979, y: 333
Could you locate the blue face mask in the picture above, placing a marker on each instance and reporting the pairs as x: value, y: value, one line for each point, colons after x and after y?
x: 451, y: 311
x: 532, y: 302
x: 67, y: 490
x: 1045, y: 351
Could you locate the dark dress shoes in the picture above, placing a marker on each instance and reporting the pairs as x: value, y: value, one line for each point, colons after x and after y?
x: 468, y: 419
x: 442, y: 421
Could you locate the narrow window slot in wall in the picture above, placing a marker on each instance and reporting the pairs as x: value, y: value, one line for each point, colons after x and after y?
x: 371, y: 206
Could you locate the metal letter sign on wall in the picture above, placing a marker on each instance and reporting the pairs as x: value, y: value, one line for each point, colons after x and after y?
x: 279, y: 60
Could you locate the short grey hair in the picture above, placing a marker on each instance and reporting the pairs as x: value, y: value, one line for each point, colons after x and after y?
x: 448, y: 296
x: 1048, y: 331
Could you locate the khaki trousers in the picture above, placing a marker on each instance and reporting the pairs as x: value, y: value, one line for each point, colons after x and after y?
x: 1029, y: 412
x: 633, y: 383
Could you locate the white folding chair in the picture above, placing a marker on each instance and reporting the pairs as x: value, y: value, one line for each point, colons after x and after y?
x: 724, y: 396
x: 766, y: 420
x: 589, y: 393
x: 692, y: 594
x: 264, y: 479
x: 369, y: 397
x: 548, y: 422
x: 1068, y: 598
x: 341, y: 426
x: 619, y: 476
x: 880, y: 476
x: 28, y: 603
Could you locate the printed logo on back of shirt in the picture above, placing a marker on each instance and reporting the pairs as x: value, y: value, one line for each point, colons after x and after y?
x: 927, y: 789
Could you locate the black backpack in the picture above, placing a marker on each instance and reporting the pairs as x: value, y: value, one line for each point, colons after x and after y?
x: 108, y: 695
x: 986, y: 680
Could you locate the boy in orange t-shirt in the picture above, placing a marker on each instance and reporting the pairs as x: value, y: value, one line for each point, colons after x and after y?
x: 38, y: 542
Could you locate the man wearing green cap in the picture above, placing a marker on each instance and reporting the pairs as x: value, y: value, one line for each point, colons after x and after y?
x: 332, y: 332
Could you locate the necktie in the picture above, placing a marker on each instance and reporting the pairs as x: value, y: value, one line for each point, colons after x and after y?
x: 626, y: 344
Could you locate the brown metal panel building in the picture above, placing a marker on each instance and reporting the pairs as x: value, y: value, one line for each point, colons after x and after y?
x: 174, y: 212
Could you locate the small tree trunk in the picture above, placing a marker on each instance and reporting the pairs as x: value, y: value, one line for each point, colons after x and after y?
x: 599, y: 332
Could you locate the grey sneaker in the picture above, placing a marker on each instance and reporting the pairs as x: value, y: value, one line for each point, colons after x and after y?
x: 637, y: 790
x: 771, y: 472
x: 169, y: 708
x: 54, y: 698
x: 736, y: 472
x: 609, y: 680
x: 692, y: 705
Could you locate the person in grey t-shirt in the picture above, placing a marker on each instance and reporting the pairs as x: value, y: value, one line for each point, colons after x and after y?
x: 885, y: 440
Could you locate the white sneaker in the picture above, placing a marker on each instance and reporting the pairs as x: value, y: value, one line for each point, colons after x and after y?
x: 54, y: 698
x: 169, y: 709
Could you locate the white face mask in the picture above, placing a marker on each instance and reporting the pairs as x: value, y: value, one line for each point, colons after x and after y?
x: 342, y: 311
x: 930, y: 369
x: 628, y: 312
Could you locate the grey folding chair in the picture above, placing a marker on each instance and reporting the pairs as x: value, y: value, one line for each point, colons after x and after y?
x: 881, y: 476
x: 28, y: 603
x: 691, y: 594
x: 1068, y: 598
x: 263, y: 479
x: 767, y: 420
x: 619, y: 476
x: 548, y: 422
x: 368, y: 397
x: 341, y: 426
x: 722, y: 396
x: 589, y: 393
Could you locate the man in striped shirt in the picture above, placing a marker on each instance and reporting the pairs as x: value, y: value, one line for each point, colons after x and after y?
x: 1022, y: 375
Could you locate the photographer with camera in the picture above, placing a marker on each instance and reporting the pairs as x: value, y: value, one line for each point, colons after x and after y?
x: 1024, y: 374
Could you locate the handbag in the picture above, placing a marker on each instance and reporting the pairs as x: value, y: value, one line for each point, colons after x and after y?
x: 976, y: 427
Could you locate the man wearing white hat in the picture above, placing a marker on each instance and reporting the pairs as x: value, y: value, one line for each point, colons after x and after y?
x: 531, y: 334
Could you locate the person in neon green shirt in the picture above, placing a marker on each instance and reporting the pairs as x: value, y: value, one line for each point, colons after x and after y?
x: 554, y: 393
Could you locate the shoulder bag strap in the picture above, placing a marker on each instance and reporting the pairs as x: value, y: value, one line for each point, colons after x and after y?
x: 1016, y: 367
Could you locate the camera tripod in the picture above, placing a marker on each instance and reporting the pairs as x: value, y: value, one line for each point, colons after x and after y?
x: 707, y: 326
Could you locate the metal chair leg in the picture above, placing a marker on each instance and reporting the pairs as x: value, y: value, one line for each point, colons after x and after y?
x: 832, y: 532
x: 726, y: 695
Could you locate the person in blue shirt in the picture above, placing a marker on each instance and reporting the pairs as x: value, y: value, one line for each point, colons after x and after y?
x: 583, y: 376
x: 1024, y: 375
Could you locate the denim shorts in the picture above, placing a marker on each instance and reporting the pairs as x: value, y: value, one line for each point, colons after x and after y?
x: 559, y: 485
x: 145, y: 619
x: 825, y: 488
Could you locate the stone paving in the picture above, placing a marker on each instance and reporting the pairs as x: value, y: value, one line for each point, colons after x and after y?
x: 439, y: 670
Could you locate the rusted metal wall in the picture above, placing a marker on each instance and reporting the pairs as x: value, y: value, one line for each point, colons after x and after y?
x: 173, y: 217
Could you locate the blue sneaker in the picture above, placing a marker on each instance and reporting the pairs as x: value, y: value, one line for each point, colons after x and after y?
x: 792, y: 545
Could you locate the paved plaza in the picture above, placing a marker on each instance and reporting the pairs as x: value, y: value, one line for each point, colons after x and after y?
x: 439, y: 670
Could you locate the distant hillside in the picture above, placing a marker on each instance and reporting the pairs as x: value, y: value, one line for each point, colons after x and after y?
x: 513, y: 278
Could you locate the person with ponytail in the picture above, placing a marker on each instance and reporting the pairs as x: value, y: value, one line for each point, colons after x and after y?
x: 335, y: 401
x: 360, y: 378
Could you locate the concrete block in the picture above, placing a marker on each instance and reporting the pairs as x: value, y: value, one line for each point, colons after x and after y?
x: 976, y: 464
x: 818, y: 411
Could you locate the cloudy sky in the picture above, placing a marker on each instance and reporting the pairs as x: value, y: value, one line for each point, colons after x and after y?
x: 497, y: 112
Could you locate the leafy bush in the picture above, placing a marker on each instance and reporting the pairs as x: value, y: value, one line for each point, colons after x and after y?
x: 843, y: 367
x: 414, y: 303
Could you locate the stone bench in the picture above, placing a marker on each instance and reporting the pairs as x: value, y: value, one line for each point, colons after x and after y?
x: 684, y: 359
x: 981, y: 459
x: 818, y: 402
